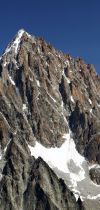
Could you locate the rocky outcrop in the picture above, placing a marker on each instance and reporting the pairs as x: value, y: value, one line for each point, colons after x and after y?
x: 95, y: 175
x: 43, y: 94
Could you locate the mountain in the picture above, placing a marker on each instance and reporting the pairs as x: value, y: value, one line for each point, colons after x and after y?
x: 49, y: 128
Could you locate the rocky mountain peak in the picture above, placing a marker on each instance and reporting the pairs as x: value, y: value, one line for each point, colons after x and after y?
x: 49, y: 108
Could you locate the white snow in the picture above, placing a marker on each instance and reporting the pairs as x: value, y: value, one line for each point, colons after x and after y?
x: 68, y: 164
x: 17, y: 40
x: 55, y: 159
x: 90, y: 101
x: 29, y: 35
x: 67, y: 63
x: 94, y: 166
x: 51, y: 155
x: 7, y: 146
x: 77, y: 194
x: 0, y: 156
x: 51, y: 97
x: 68, y: 80
x: 90, y: 110
x: 15, y: 44
x: 38, y: 83
x: 30, y: 78
x: 11, y: 80
x: 38, y: 49
x: 24, y: 107
x: 5, y: 64
x: 15, y: 132
x: 72, y: 99
x: 93, y: 197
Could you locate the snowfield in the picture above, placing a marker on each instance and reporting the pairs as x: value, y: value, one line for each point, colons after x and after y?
x: 69, y: 165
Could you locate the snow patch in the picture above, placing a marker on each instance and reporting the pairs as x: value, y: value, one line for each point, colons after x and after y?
x: 17, y: 40
x: 38, y: 83
x: 24, y: 107
x: 94, y: 166
x: 51, y: 97
x: 13, y: 83
x: 76, y: 194
x: 52, y: 155
x: 7, y: 146
x: 90, y: 101
x: 38, y: 49
x: 67, y: 63
x: 68, y: 80
x: 55, y: 159
x: 68, y: 164
x: 93, y: 197
x: 0, y: 156
x: 30, y: 78
x: 15, y: 44
x: 5, y: 64
x: 90, y: 110
x: 71, y: 97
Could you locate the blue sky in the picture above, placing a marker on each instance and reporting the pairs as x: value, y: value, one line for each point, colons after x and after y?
x: 72, y: 26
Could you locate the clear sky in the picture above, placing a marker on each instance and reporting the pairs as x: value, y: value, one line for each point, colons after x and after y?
x: 72, y: 26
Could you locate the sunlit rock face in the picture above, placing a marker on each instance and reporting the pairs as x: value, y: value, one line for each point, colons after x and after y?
x: 49, y: 108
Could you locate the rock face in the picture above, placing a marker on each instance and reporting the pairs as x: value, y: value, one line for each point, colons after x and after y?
x: 95, y: 175
x: 43, y: 94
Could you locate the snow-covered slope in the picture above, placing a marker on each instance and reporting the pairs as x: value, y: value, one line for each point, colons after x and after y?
x: 69, y: 165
